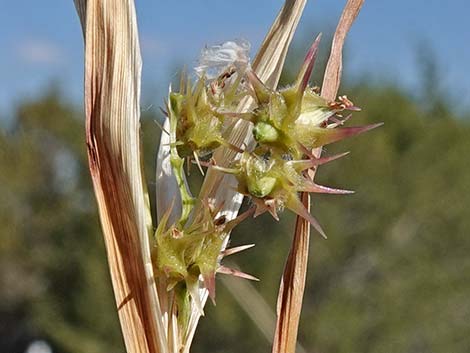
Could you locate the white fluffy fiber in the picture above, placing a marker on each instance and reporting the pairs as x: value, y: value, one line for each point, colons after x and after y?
x: 215, y: 59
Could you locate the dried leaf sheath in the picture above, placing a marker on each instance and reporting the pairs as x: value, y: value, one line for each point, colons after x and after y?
x: 291, y: 291
x: 332, y: 77
x: 112, y: 93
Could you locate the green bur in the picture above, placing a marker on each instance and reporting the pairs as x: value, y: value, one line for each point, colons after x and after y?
x: 296, y: 119
x: 184, y: 255
x: 287, y: 122
x: 273, y: 182
x: 195, y: 110
x: 196, y: 127
x: 198, y: 130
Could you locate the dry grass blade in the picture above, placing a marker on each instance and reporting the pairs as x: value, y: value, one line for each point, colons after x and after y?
x: 112, y: 93
x: 292, y: 287
x: 270, y: 59
x: 291, y: 291
x: 332, y: 77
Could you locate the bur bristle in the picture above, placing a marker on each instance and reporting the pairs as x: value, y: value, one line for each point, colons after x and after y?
x: 296, y: 206
x: 320, y: 189
x: 333, y: 135
x: 236, y: 273
x: 236, y: 250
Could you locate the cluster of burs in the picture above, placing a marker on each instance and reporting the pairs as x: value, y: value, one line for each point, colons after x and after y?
x: 288, y: 127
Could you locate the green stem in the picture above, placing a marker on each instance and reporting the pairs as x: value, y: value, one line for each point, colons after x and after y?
x: 177, y: 163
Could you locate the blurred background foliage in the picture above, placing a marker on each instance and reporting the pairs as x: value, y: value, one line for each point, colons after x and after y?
x: 393, y: 276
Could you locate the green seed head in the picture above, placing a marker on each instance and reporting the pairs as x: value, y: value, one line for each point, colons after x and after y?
x: 261, y: 187
x: 265, y: 133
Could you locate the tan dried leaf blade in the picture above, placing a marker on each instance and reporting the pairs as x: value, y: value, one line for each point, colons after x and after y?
x: 291, y: 291
x: 112, y: 93
x: 332, y: 77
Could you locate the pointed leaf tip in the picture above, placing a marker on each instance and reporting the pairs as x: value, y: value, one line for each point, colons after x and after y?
x: 307, y: 67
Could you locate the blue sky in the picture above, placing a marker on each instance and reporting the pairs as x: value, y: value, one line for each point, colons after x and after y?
x: 41, y: 41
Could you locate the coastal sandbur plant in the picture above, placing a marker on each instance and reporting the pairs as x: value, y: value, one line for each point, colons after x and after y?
x: 231, y: 121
